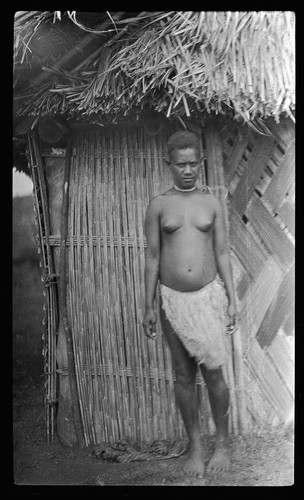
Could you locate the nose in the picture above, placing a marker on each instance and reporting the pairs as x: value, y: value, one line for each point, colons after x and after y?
x: 188, y: 169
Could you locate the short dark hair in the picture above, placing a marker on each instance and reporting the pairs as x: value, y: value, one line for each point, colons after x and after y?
x: 183, y: 139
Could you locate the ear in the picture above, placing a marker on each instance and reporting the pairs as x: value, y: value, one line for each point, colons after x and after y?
x: 168, y: 162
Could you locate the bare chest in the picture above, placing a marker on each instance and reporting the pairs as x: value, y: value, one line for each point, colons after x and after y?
x: 181, y: 219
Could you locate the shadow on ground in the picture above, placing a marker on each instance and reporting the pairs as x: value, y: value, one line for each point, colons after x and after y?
x: 264, y: 460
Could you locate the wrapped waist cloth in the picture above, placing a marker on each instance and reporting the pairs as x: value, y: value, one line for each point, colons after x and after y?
x: 199, y: 320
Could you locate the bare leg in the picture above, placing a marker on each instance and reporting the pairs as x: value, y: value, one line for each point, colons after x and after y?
x: 186, y: 398
x: 219, y: 402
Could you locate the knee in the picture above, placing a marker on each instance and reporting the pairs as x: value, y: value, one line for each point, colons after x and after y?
x: 184, y: 379
x: 215, y: 381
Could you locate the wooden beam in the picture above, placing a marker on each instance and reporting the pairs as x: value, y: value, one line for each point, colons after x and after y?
x: 215, y: 177
x: 214, y: 153
x: 64, y: 324
x: 215, y: 163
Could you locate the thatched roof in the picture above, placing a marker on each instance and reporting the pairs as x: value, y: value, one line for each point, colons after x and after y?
x: 97, y: 64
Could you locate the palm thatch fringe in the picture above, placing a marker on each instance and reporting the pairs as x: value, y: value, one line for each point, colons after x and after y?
x: 178, y: 63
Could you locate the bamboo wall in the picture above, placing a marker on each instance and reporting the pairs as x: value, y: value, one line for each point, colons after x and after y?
x: 259, y: 174
x: 123, y: 379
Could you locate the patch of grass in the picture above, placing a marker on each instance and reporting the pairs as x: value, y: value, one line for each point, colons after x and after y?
x: 27, y: 293
x: 24, y: 230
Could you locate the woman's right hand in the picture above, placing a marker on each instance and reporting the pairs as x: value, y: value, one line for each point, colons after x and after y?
x: 149, y: 324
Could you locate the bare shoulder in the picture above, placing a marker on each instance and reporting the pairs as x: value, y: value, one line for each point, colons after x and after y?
x: 155, y: 205
x: 216, y: 207
x: 211, y: 200
x: 214, y: 201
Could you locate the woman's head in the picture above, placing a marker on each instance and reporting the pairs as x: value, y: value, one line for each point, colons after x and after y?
x: 183, y: 139
x: 184, y: 154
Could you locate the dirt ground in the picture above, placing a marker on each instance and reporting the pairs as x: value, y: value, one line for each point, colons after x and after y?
x: 259, y: 460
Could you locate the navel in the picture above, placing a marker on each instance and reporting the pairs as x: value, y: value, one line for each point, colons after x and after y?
x: 189, y: 270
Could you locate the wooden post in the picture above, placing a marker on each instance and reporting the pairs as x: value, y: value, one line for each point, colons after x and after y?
x: 48, y: 273
x: 54, y: 173
x: 64, y: 326
x: 215, y: 177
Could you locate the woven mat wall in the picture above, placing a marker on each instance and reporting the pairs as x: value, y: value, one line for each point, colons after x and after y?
x: 259, y: 174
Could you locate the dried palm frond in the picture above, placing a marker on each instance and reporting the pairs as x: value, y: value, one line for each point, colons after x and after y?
x: 182, y: 62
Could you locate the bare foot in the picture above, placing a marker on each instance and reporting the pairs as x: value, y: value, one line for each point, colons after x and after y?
x: 220, y: 460
x: 195, y: 465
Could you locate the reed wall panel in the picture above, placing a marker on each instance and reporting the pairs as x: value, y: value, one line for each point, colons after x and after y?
x: 281, y: 308
x: 282, y: 352
x: 270, y: 232
x: 246, y: 246
x: 125, y: 381
x: 288, y: 215
x: 283, y: 178
x: 254, y: 167
x: 269, y: 381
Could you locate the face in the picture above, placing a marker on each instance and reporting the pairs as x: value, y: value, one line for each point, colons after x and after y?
x: 185, y: 166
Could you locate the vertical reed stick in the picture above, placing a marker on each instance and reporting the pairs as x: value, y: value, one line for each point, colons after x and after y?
x: 99, y: 295
x: 138, y: 390
x: 107, y: 313
x: 139, y: 345
x: 122, y: 280
x: 91, y: 286
x: 79, y: 294
x: 83, y: 291
x: 128, y: 298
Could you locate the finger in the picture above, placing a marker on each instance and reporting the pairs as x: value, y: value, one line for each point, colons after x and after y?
x: 152, y: 335
x: 148, y: 329
x: 230, y: 330
x: 232, y: 319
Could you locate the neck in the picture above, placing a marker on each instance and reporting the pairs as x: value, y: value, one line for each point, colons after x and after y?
x: 184, y: 190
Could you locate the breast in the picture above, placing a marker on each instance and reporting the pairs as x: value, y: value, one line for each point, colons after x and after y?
x: 170, y: 226
x: 202, y: 223
x: 198, y: 222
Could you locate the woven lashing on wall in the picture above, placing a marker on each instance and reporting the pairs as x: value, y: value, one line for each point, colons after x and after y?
x: 259, y: 174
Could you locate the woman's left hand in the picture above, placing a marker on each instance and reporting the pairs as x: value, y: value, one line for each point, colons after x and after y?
x: 231, y: 326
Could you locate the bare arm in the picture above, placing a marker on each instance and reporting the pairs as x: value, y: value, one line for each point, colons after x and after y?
x: 223, y: 259
x: 152, y: 231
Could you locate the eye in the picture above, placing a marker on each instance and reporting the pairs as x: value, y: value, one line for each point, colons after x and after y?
x: 193, y: 164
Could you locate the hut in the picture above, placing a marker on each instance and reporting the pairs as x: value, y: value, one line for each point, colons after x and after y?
x: 96, y: 95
